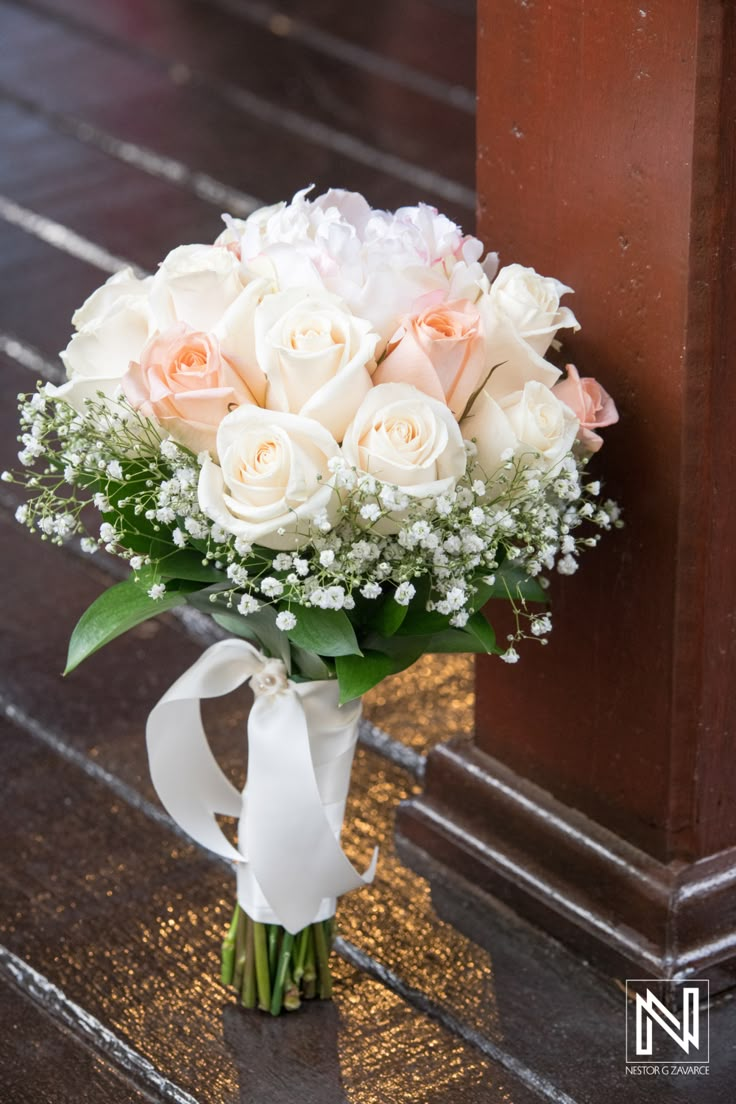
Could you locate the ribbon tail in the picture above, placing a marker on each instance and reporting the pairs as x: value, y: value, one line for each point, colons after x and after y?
x: 186, y: 776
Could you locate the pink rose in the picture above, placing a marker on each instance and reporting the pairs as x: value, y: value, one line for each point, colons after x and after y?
x: 440, y: 351
x: 591, y: 405
x: 186, y: 384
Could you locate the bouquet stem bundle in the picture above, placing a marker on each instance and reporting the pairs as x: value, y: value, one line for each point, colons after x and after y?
x: 273, y: 970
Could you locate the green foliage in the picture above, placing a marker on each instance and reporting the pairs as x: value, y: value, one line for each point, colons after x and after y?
x: 259, y: 627
x: 137, y: 533
x: 323, y: 632
x: 387, y: 655
x: 513, y: 582
x: 185, y: 564
x: 389, y: 616
x: 358, y: 674
x: 118, y: 609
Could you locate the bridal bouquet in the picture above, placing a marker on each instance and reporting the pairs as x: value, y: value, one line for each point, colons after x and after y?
x: 339, y: 432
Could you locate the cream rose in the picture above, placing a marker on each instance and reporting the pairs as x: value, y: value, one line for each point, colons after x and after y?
x: 236, y: 334
x: 406, y: 439
x: 183, y: 381
x: 531, y: 424
x: 440, y: 351
x: 489, y: 427
x: 521, y: 314
x: 195, y: 284
x: 544, y: 426
x: 113, y: 326
x: 272, y: 479
x: 317, y: 356
x: 532, y: 303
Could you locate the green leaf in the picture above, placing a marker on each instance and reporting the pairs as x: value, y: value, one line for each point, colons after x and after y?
x: 310, y: 666
x: 515, y: 582
x: 235, y: 623
x: 478, y: 627
x: 118, y: 609
x: 422, y: 622
x: 388, y: 616
x: 260, y: 627
x: 138, y: 534
x: 323, y: 632
x: 477, y: 637
x: 359, y: 674
x: 476, y: 393
x: 187, y: 565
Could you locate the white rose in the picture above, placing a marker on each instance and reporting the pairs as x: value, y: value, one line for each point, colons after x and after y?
x: 318, y: 357
x: 272, y: 478
x: 195, y: 284
x: 542, y: 424
x: 236, y: 334
x: 404, y: 438
x: 123, y: 285
x: 489, y: 427
x: 521, y: 314
x: 533, y: 424
x: 532, y: 303
x: 113, y: 326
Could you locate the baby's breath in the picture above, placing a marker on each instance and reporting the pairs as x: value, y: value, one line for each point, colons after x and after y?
x: 376, y: 541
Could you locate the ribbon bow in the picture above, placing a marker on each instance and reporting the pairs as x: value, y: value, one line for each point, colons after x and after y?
x: 291, y: 866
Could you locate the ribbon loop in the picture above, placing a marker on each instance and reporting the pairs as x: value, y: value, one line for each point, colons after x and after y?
x: 291, y: 866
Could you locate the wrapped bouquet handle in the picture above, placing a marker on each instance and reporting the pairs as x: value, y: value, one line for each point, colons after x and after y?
x: 290, y: 864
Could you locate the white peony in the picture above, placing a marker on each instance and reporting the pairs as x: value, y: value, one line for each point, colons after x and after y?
x: 379, y: 262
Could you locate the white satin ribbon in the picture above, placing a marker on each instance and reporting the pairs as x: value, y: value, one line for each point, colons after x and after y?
x: 290, y: 864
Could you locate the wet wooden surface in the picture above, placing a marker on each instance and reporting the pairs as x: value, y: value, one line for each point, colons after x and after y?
x: 128, y: 128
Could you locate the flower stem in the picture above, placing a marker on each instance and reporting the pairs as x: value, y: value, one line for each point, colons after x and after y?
x: 292, y: 998
x: 273, y: 970
x: 273, y: 947
x: 325, y: 977
x: 309, y: 980
x: 287, y: 944
x: 227, y: 954
x: 239, y: 951
x: 263, y: 976
x: 248, y: 999
x: 300, y: 953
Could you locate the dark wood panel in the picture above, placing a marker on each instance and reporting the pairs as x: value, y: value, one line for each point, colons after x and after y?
x: 117, y: 89
x: 594, y: 185
x: 41, y: 289
x: 415, y: 33
x: 212, y: 43
x: 43, y: 1063
x: 134, y: 214
x: 715, y: 785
